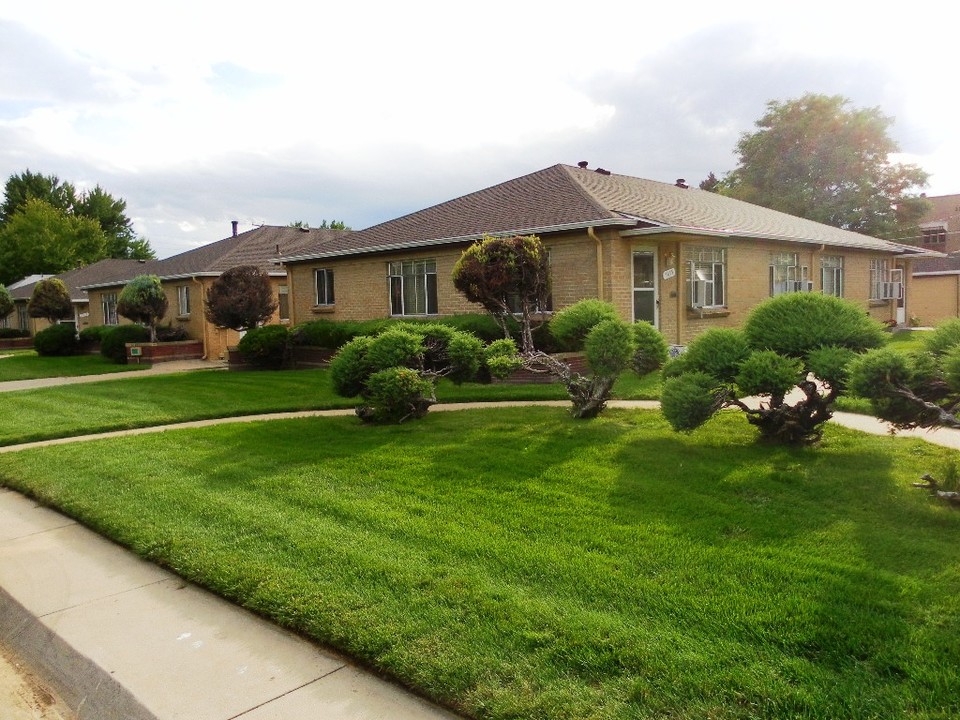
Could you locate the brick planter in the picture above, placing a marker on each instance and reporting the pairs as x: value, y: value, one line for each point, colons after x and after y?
x: 577, y: 361
x: 16, y: 343
x: 165, y: 352
x: 303, y: 358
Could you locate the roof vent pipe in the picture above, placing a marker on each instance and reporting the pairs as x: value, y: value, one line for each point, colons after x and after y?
x: 234, y: 223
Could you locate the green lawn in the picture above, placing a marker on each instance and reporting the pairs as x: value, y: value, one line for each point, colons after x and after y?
x: 27, y: 365
x: 69, y: 410
x: 605, y: 569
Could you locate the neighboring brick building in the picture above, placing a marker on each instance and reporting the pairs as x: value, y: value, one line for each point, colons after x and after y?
x: 187, y: 277
x: 681, y: 258
x: 101, y: 271
x: 936, y: 281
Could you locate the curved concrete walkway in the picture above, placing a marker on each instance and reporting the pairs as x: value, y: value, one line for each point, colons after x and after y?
x: 121, y: 638
x: 166, y: 368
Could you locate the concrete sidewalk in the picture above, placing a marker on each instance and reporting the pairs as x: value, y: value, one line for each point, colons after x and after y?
x: 175, y: 366
x: 120, y: 638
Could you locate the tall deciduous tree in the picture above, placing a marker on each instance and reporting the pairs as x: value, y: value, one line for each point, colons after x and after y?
x: 143, y: 300
x: 67, y: 221
x: 50, y: 300
x: 40, y: 238
x: 33, y: 186
x: 818, y: 158
x: 240, y: 299
x: 110, y: 212
x: 506, y: 275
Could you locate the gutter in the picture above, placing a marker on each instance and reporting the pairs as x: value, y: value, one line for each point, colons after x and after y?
x: 892, y: 247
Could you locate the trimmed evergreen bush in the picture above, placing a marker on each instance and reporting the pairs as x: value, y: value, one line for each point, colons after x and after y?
x: 651, y: 349
x: 10, y: 333
x: 267, y: 347
x: 571, y: 325
x: 396, y: 394
x: 113, y: 343
x: 57, y: 340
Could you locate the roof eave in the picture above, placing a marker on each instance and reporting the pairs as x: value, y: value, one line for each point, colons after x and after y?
x: 392, y: 247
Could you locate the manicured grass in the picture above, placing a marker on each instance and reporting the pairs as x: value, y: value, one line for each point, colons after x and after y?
x: 27, y: 365
x: 46, y: 413
x: 909, y: 341
x: 516, y: 563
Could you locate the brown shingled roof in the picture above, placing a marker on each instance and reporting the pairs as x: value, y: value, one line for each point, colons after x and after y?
x: 259, y: 247
x: 563, y: 197
x: 103, y: 271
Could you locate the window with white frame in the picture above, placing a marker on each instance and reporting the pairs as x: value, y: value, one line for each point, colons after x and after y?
x: 886, y: 283
x: 831, y: 275
x: 413, y: 287
x: 108, y: 304
x: 283, y: 303
x: 707, y: 277
x: 183, y: 300
x: 787, y: 274
x: 323, y: 286
x: 23, y: 317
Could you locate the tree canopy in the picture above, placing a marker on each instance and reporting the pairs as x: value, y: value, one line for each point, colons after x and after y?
x: 50, y: 300
x: 143, y: 300
x: 46, y: 227
x: 42, y: 239
x: 819, y: 158
x: 506, y: 275
x: 240, y: 299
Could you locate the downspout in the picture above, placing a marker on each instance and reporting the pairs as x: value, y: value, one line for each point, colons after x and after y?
x: 291, y: 305
x: 593, y: 235
x: 203, y: 321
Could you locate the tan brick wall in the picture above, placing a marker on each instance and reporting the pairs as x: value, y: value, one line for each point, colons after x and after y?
x: 935, y: 298
x: 362, y: 289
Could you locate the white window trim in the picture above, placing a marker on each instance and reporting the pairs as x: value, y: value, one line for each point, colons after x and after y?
x: 704, y: 262
x: 183, y: 300
x: 395, y: 272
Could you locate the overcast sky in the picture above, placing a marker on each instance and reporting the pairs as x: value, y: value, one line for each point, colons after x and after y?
x: 198, y: 113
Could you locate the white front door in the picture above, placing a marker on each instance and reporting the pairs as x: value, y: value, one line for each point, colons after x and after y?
x: 645, y: 304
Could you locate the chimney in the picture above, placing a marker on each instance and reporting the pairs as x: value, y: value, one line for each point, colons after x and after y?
x: 582, y: 164
x: 234, y: 223
x: 681, y: 183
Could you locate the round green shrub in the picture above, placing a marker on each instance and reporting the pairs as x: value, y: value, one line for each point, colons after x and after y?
x: 57, y: 340
x: 465, y: 354
x: 93, y: 334
x: 688, y: 400
x: 765, y: 372
x: 609, y: 347
x: 795, y: 323
x: 267, y: 347
x: 944, y: 338
x: 571, y: 325
x: 396, y: 394
x: 830, y: 365
x: 113, y: 342
x: 652, y: 351
x: 394, y: 348
x: 170, y: 333
x: 717, y: 352
x: 349, y: 368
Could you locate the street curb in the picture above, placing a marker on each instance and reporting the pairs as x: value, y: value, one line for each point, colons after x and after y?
x: 83, y: 685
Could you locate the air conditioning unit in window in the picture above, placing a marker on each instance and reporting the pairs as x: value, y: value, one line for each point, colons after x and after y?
x: 802, y: 285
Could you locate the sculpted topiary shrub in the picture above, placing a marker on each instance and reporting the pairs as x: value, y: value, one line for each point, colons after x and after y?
x: 394, y: 372
x: 571, y: 325
x: 143, y: 301
x: 797, y: 343
x: 50, y: 300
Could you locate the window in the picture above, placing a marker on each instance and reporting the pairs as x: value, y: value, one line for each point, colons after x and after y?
x: 885, y: 283
x: 23, y: 317
x: 831, y: 275
x: 283, y: 303
x: 935, y: 235
x: 707, y: 278
x: 183, y: 299
x: 413, y: 287
x: 787, y: 275
x: 323, y: 284
x: 109, y: 305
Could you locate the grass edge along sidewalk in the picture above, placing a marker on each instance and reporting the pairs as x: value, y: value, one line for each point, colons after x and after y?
x: 606, y: 569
